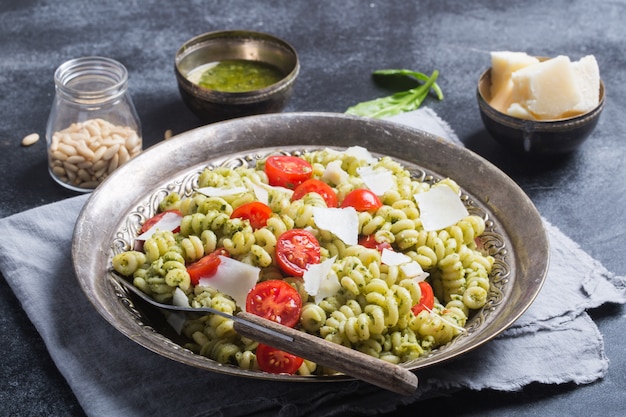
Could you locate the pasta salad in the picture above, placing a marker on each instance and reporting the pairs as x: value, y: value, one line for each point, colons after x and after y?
x: 338, y: 244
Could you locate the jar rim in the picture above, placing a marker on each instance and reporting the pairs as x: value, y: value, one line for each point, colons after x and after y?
x: 91, y: 78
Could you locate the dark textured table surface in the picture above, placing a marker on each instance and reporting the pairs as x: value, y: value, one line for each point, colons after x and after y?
x: 339, y: 43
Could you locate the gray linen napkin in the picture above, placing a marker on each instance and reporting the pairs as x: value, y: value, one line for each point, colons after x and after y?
x: 112, y: 376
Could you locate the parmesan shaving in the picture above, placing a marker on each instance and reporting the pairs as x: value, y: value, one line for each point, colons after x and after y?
x: 180, y: 298
x: 361, y: 153
x: 177, y: 319
x: 379, y: 180
x: 393, y: 258
x: 261, y: 193
x: 334, y: 173
x: 440, y: 207
x: 342, y: 222
x: 408, y: 266
x: 233, y: 278
x: 319, y: 282
x: 414, y: 270
x: 169, y: 221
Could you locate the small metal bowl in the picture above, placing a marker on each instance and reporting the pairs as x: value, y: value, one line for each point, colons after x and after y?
x: 532, y: 137
x: 212, y: 105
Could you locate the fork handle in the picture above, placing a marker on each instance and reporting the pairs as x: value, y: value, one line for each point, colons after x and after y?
x: 340, y: 358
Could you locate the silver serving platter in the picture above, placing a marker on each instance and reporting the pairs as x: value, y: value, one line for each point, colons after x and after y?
x: 114, y: 212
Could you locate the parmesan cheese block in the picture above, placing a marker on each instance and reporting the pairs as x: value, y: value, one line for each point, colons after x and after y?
x: 556, y: 88
x: 503, y: 64
x: 587, y: 76
x: 548, y: 90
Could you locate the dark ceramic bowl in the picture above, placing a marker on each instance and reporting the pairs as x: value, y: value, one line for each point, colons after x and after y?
x: 212, y: 105
x: 546, y: 137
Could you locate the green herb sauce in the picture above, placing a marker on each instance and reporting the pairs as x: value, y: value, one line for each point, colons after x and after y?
x: 236, y: 75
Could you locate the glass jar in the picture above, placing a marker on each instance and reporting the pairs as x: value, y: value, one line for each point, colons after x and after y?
x: 93, y: 126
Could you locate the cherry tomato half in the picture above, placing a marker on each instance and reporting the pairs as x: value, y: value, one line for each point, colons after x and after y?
x: 255, y: 212
x: 287, y: 171
x: 156, y: 218
x: 275, y: 300
x: 206, y: 266
x: 427, y: 301
x: 316, y: 186
x: 277, y: 361
x: 296, y: 249
x: 369, y: 242
x: 362, y: 200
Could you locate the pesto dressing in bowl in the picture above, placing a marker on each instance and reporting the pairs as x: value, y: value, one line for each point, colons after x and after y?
x: 235, y: 75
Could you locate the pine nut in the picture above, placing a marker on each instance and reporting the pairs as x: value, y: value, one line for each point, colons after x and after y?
x: 89, y: 184
x: 84, y: 175
x: 85, y: 165
x: 71, y: 175
x: 132, y: 142
x: 54, y: 143
x: 97, y: 155
x: 118, y: 138
x: 100, y: 173
x: 70, y: 167
x: 123, y: 155
x: 58, y: 156
x: 113, y: 163
x: 68, y: 150
x: 75, y: 159
x: 84, y: 150
x: 66, y: 137
x: 111, y: 152
x: 136, y: 150
x: 58, y: 171
x: 30, y: 139
x: 93, y: 129
x: 98, y: 165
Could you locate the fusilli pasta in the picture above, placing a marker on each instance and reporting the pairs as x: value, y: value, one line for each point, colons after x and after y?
x: 372, y: 311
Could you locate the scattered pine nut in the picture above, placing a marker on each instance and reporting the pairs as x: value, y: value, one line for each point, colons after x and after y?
x: 30, y: 139
x: 168, y: 134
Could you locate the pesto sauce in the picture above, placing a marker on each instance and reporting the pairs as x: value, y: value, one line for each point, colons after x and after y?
x: 237, y: 75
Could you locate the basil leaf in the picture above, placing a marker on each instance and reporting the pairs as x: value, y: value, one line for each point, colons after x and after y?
x: 402, y: 101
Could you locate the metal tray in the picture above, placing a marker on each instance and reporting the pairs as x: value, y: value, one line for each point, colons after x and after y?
x: 111, y: 216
